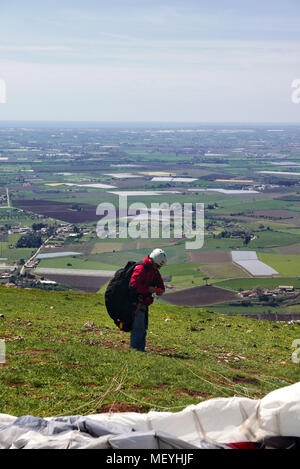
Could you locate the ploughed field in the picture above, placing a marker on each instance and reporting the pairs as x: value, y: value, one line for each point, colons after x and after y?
x: 210, y: 257
x: 82, y: 283
x: 60, y: 210
x: 203, y: 295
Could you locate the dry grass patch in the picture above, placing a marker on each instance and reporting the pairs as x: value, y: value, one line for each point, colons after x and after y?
x: 224, y: 270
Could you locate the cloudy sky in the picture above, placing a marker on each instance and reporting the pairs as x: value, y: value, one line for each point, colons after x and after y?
x: 158, y: 60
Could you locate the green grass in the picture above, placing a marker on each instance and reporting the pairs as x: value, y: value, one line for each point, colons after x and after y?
x: 57, y: 366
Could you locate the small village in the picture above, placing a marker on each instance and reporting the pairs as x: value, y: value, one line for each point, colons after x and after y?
x: 257, y: 292
x: 11, y: 274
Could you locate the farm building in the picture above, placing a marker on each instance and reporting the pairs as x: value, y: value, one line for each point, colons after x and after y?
x: 48, y: 282
x: 246, y: 292
x: 285, y: 288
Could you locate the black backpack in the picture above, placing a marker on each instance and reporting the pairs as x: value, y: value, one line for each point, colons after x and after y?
x: 119, y: 299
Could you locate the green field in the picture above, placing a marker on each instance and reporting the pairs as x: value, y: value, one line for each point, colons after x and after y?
x: 14, y: 254
x: 273, y: 239
x: 176, y: 255
x: 89, y: 262
x: 222, y: 243
x: 287, y: 265
x: 223, y: 270
x: 187, y: 274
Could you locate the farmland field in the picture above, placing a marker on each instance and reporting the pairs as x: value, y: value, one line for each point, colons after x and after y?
x: 175, y: 255
x: 210, y: 257
x: 200, y: 296
x: 81, y: 283
x: 292, y: 249
x: 60, y: 210
x: 224, y: 270
x: 285, y: 264
x: 273, y: 239
x: 57, y: 177
x: 89, y: 262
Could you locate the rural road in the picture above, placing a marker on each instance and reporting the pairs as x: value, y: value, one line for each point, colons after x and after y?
x: 22, y: 271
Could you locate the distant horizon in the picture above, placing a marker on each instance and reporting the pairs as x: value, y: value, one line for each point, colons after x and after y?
x: 43, y: 123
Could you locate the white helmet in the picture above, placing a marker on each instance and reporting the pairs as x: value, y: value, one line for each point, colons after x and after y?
x: 159, y: 257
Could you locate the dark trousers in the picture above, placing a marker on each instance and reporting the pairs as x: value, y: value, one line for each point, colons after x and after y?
x: 139, y: 331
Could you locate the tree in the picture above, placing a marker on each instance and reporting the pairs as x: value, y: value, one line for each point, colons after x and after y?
x: 206, y: 279
x: 247, y: 240
x: 246, y: 303
x: 76, y: 229
x: 259, y: 292
x: 38, y: 226
x: 51, y: 230
x: 30, y: 240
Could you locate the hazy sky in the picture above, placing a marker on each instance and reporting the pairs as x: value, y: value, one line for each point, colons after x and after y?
x: 158, y: 60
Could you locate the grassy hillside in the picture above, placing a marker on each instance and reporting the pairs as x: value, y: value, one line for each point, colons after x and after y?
x: 64, y: 356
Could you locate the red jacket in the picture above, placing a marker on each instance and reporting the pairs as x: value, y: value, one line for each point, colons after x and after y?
x: 145, y: 277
